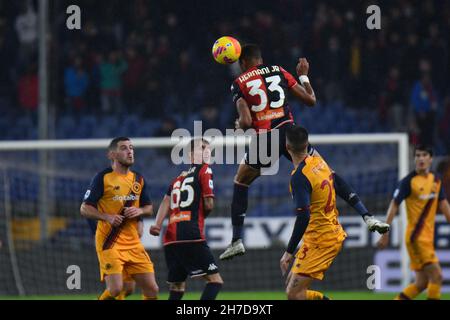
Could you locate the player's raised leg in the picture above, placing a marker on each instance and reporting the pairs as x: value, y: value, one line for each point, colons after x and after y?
x: 213, y: 286
x: 349, y: 195
x: 245, y: 176
x: 414, y: 289
x: 147, y: 282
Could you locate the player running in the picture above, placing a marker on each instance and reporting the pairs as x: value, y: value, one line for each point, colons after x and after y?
x: 260, y: 95
x: 117, y: 197
x: 189, y: 200
x: 424, y: 195
x: 316, y: 221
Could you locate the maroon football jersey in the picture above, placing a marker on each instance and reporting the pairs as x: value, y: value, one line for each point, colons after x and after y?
x: 265, y: 88
x: 187, y: 216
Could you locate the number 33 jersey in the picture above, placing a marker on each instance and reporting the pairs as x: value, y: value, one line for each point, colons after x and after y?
x: 312, y: 188
x: 187, y: 216
x: 265, y: 89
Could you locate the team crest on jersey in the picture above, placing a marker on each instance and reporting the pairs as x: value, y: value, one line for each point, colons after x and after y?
x: 136, y: 187
x: 108, y: 266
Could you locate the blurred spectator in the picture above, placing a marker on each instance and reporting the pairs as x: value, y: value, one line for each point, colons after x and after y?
x: 133, y: 77
x: 436, y: 51
x: 27, y: 89
x: 424, y: 101
x: 93, y: 62
x: 168, y: 125
x: 443, y: 169
x: 167, y: 65
x: 5, y: 66
x: 76, y: 82
x: 444, y: 125
x: 333, y: 65
x: 392, y: 106
x: 26, y: 27
x: 372, y: 60
x: 111, y: 82
x: 411, y: 59
x: 355, y: 83
x: 210, y: 118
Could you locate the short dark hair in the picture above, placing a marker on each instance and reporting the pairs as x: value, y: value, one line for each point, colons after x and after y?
x: 194, y: 141
x: 114, y: 142
x: 297, y: 138
x: 424, y: 147
x: 250, y: 51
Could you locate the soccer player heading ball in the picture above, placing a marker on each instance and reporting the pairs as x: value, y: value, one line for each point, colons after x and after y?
x: 260, y: 94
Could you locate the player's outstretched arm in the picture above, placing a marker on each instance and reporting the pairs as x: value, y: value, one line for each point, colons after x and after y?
x: 391, y: 213
x: 245, y: 117
x: 163, y: 211
x: 304, y: 92
x: 444, y: 207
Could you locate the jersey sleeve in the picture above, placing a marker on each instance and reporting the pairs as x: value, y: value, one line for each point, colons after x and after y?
x: 403, y: 191
x: 301, y: 191
x: 236, y: 92
x: 206, y: 182
x: 145, y: 195
x: 289, y: 78
x: 95, y: 190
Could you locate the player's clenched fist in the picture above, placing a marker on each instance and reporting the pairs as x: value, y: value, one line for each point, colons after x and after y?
x: 155, y: 230
x: 302, y: 67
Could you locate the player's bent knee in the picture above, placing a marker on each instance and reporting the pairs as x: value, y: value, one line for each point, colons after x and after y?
x: 295, y: 294
x: 421, y: 285
x: 114, y: 291
x: 246, y: 175
x: 154, y: 288
x: 437, y: 277
x: 177, y: 286
x: 214, y: 278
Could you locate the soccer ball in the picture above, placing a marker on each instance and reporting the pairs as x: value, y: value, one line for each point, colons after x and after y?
x: 226, y: 50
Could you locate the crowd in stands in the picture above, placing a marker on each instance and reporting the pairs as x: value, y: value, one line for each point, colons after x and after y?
x: 153, y: 59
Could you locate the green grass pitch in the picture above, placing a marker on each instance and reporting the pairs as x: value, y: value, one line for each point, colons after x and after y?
x: 334, y: 295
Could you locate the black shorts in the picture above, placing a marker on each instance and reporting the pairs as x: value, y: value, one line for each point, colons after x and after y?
x: 192, y: 259
x: 256, y: 159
